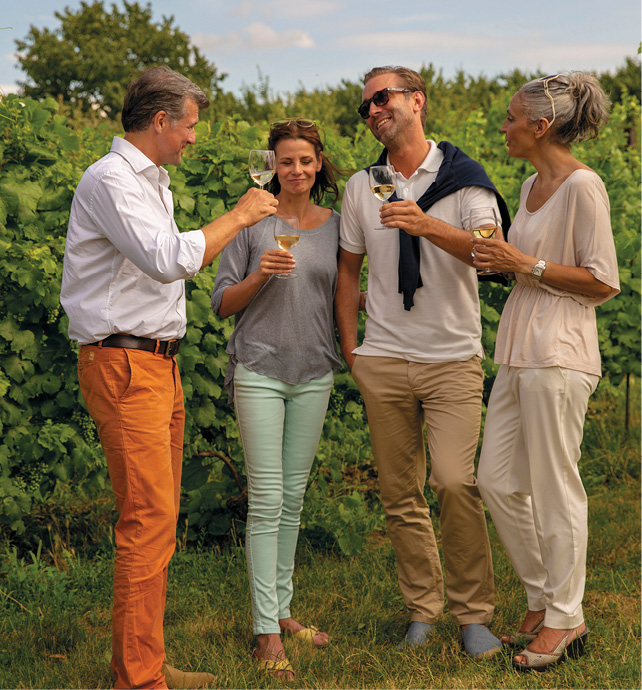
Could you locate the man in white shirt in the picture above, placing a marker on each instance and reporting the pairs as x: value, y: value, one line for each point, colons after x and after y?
x: 124, y: 293
x: 421, y: 356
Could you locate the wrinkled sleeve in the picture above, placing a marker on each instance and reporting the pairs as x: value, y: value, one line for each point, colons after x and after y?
x: 590, y: 225
x: 233, y: 266
x: 351, y: 236
x: 156, y: 248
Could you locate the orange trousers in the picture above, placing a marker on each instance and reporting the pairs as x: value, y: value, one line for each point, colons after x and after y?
x: 136, y: 399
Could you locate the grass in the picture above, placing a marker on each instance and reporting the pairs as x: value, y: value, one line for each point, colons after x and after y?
x: 59, y: 637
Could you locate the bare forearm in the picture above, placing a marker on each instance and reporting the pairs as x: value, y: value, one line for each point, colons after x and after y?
x: 409, y: 217
x: 219, y: 233
x: 504, y: 257
x: 570, y: 278
x: 346, y: 303
x: 455, y: 241
x: 252, y: 207
x: 237, y: 297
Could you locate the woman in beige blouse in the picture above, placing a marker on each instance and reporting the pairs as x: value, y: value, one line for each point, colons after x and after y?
x: 562, y: 254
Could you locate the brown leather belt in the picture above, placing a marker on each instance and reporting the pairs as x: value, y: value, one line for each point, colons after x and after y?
x: 163, y: 347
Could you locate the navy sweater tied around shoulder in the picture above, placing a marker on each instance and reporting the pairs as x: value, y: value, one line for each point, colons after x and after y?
x: 456, y: 171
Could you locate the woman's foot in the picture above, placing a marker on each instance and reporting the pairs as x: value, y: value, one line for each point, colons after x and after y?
x: 270, y: 654
x: 291, y: 627
x: 528, y: 630
x: 549, y: 647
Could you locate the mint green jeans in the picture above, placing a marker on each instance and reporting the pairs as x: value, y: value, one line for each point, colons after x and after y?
x: 280, y: 426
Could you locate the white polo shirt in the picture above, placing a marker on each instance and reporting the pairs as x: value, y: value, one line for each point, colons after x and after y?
x: 444, y: 324
x: 125, y: 260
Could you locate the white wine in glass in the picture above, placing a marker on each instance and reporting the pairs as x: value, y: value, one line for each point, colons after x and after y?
x: 382, y: 183
x: 262, y: 165
x: 286, y: 235
x: 483, y: 223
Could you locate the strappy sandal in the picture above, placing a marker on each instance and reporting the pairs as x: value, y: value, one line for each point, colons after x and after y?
x: 540, y: 662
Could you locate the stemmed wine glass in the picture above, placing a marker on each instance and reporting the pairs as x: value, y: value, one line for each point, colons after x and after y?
x: 262, y: 165
x: 286, y: 233
x: 483, y: 223
x: 382, y: 183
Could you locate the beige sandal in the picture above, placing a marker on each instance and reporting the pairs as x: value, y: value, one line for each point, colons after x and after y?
x: 540, y: 662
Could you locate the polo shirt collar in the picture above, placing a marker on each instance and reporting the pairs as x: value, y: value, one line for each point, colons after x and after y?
x: 431, y: 162
x: 433, y: 158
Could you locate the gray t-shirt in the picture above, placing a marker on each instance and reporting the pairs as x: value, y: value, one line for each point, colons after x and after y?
x: 286, y: 332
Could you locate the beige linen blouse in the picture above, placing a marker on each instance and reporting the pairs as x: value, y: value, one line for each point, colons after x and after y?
x: 543, y: 326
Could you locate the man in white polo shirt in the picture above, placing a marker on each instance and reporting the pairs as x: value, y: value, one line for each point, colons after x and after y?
x: 123, y: 288
x: 421, y: 356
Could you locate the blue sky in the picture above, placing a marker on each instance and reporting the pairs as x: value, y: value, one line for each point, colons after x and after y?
x: 317, y: 43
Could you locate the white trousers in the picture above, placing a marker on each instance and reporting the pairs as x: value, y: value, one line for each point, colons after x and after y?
x: 529, y: 479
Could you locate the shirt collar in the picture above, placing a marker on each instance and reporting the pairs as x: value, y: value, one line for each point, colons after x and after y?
x: 431, y: 162
x: 138, y: 160
x: 433, y: 158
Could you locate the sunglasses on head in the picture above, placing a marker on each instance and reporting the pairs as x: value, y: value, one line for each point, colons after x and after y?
x: 378, y: 98
x: 301, y: 121
x: 545, y: 80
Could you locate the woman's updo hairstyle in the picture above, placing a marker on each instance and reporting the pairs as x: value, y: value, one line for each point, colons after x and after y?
x: 581, y: 106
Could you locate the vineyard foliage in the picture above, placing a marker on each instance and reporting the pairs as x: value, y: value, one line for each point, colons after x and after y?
x: 48, y: 445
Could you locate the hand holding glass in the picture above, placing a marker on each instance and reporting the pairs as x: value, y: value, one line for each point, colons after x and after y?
x: 286, y: 234
x: 483, y: 223
x: 262, y: 165
x: 382, y: 183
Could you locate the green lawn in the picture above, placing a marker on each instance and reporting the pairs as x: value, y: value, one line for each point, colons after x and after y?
x: 59, y: 635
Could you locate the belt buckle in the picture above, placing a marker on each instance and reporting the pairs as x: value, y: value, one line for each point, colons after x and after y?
x: 171, y: 348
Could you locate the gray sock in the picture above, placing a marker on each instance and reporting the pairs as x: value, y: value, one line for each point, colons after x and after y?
x: 417, y: 634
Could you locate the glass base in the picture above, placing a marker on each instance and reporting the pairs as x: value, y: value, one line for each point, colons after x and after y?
x: 285, y: 276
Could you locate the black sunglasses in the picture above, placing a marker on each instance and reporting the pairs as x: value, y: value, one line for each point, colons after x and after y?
x: 378, y: 98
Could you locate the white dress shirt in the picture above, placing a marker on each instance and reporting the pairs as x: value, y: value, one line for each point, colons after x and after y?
x: 125, y: 260
x: 444, y: 324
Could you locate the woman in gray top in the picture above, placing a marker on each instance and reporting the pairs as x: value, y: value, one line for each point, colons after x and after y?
x: 280, y: 372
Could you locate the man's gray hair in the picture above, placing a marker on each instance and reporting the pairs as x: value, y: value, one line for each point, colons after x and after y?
x: 158, y: 88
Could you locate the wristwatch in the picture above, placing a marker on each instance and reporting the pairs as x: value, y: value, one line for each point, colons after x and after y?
x: 538, y: 270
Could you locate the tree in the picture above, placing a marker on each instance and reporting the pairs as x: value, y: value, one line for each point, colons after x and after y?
x: 94, y: 54
x: 626, y: 77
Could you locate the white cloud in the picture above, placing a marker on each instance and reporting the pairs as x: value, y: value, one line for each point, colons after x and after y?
x: 256, y: 36
x: 9, y: 88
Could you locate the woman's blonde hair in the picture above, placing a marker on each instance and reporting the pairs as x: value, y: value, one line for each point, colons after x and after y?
x: 581, y: 106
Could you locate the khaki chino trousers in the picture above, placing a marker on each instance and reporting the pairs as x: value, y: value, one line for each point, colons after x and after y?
x: 401, y: 396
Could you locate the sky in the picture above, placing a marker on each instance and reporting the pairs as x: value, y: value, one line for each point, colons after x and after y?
x: 319, y: 43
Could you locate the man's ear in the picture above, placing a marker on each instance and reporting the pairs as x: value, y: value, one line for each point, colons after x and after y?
x: 160, y: 120
x: 418, y: 101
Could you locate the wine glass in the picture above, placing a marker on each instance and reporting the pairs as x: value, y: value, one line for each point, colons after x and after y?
x: 286, y: 234
x: 483, y: 222
x: 262, y: 165
x: 382, y: 183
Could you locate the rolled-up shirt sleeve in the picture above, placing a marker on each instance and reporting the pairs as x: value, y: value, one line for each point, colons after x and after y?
x: 151, y: 242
